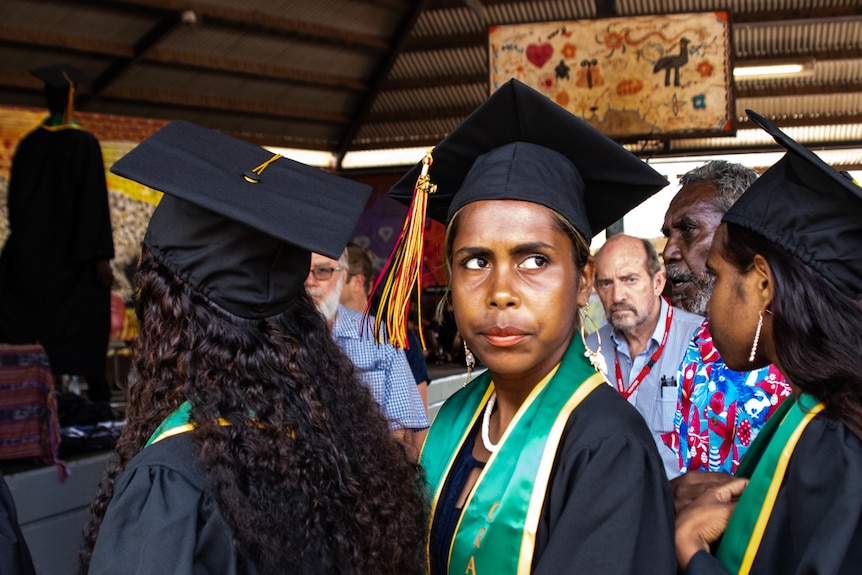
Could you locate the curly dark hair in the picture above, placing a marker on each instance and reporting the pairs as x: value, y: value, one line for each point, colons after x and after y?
x: 817, y: 330
x: 339, y: 490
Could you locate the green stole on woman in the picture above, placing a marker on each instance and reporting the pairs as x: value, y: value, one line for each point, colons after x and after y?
x: 57, y: 122
x: 765, y: 463
x: 497, y: 529
x: 178, y: 422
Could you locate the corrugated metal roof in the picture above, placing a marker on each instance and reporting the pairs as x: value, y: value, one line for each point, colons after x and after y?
x: 344, y: 75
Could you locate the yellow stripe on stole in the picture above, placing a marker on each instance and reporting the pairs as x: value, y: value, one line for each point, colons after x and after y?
x: 436, y: 498
x: 537, y: 500
x: 772, y: 492
x: 186, y: 428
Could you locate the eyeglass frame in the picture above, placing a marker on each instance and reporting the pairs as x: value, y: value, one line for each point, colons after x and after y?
x: 327, y: 272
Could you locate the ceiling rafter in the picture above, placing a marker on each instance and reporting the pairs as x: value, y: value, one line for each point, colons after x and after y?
x: 381, y: 101
x: 260, y: 70
x: 458, y: 112
x: 14, y: 35
x: 219, y: 103
x: 239, y: 16
x: 744, y: 15
x: 398, y: 41
x: 103, y: 82
x: 89, y: 46
x: 766, y: 90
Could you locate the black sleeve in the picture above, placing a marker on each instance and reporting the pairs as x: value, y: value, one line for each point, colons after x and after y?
x: 816, y: 522
x: 609, y: 507
x: 160, y: 522
x: 705, y: 564
x: 94, y: 240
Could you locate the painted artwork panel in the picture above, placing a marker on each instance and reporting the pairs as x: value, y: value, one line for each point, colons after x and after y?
x: 634, y: 77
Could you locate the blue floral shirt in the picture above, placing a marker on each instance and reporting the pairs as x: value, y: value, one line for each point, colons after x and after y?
x: 720, y: 411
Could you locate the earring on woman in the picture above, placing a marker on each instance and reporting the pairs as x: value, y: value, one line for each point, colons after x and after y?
x: 596, y: 358
x: 753, y: 353
x: 469, y: 360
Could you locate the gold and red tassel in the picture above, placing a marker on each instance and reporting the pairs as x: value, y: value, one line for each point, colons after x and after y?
x: 402, y: 273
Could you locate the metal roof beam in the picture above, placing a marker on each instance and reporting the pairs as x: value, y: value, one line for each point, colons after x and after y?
x: 235, y: 16
x: 214, y: 103
x: 397, y: 43
x: 260, y: 70
x: 119, y: 66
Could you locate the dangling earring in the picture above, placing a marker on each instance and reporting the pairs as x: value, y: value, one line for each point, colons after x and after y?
x: 469, y: 360
x: 596, y: 358
x: 756, y: 338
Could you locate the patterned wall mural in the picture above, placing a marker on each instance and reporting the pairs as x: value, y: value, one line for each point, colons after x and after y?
x: 628, y: 77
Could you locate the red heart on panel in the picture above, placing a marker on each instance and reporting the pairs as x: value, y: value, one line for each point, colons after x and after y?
x: 539, y: 54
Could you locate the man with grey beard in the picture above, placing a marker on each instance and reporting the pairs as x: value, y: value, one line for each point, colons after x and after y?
x: 720, y: 411
x: 381, y: 366
x: 690, y: 222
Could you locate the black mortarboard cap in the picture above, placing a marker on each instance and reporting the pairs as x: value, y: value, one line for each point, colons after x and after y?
x: 58, y: 76
x: 238, y: 222
x: 810, y: 209
x: 520, y: 145
x: 517, y: 145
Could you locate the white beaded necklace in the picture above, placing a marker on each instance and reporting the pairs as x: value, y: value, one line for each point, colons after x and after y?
x: 486, y: 424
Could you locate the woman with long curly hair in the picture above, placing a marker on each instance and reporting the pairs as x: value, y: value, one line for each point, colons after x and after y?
x: 788, y: 266
x: 250, y: 445
x: 537, y: 465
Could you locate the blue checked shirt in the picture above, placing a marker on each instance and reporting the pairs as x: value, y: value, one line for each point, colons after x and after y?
x: 383, y: 368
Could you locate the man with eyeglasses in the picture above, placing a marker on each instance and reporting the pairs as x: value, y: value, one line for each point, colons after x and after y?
x: 383, y: 367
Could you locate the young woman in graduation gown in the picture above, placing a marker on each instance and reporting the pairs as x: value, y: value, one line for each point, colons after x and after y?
x: 537, y: 465
x: 250, y: 444
x: 788, y: 268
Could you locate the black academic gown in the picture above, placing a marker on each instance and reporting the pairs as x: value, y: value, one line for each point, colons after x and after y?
x: 816, y: 524
x: 164, y: 518
x: 60, y: 226
x: 608, y: 509
x: 14, y: 554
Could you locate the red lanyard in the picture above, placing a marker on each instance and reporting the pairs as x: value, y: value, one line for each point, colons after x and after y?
x: 621, y: 386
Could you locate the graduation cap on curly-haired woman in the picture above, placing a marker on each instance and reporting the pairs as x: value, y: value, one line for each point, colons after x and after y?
x: 238, y: 222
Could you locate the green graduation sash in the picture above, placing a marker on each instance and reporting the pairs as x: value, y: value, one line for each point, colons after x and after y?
x: 176, y: 423
x: 765, y: 463
x: 497, y: 529
x: 54, y: 123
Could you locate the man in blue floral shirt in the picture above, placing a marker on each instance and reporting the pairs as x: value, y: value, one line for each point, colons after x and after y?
x: 719, y: 411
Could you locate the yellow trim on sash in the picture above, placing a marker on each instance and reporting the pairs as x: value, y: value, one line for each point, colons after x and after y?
x: 186, y: 428
x: 59, y: 127
x: 537, y: 500
x: 772, y: 492
x: 473, y: 419
x: 445, y: 475
x: 514, y: 423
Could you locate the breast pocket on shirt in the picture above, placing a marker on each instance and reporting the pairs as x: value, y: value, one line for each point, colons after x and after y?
x: 666, y: 407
